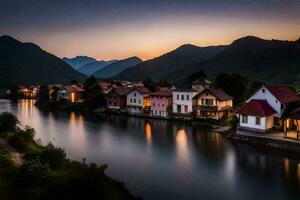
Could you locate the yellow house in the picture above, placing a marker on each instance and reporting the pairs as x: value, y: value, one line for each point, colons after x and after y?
x: 212, y: 104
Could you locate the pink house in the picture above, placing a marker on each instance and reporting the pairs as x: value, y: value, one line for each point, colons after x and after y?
x: 160, y: 101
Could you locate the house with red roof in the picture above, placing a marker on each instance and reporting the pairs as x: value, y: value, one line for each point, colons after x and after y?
x: 71, y: 93
x: 116, y: 99
x: 265, y: 107
x: 212, y: 104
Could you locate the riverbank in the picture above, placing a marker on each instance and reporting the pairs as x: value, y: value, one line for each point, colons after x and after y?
x: 44, y: 172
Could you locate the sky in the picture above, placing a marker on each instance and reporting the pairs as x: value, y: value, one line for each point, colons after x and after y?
x: 117, y: 29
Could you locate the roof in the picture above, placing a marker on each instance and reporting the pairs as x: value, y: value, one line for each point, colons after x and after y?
x: 185, y: 90
x: 163, y: 93
x: 142, y: 90
x: 217, y: 92
x: 283, y: 93
x: 123, y: 90
x: 201, y: 81
x: 259, y: 108
x: 73, y: 88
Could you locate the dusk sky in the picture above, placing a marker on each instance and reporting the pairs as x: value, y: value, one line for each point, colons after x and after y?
x: 116, y: 29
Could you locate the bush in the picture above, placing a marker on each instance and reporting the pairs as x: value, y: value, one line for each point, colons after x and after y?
x: 8, y: 122
x: 53, y: 156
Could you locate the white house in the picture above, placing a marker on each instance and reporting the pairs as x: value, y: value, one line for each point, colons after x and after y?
x: 183, y: 101
x: 138, y: 100
x: 265, y: 107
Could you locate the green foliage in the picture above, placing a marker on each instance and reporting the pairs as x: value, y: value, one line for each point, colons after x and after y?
x: 8, y: 122
x: 43, y: 94
x: 235, y: 84
x: 94, y: 98
x: 149, y: 83
x: 20, y: 139
x: 196, y: 75
x: 254, y: 86
x: 53, y: 156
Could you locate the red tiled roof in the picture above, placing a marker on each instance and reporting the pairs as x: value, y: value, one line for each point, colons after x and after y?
x: 217, y: 92
x: 259, y: 108
x: 123, y: 90
x: 163, y: 93
x: 283, y: 93
x: 73, y: 88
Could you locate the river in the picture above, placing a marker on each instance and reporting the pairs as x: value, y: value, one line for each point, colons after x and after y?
x: 166, y: 160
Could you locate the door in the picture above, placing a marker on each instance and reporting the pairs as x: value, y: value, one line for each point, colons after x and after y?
x: 179, y: 108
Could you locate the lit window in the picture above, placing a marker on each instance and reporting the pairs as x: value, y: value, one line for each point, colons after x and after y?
x: 257, y: 120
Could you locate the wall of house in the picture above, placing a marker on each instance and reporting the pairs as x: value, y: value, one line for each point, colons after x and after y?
x: 205, y: 95
x: 251, y: 123
x: 184, y: 102
x: 269, y: 122
x: 159, y: 105
x: 226, y: 103
x: 134, y: 98
x: 268, y: 96
x: 113, y: 101
x: 62, y: 94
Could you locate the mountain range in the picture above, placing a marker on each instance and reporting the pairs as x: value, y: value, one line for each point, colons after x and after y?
x: 161, y: 67
x: 90, y: 68
x: 27, y: 63
x: 78, y: 61
x: 273, y: 61
x: 117, y: 67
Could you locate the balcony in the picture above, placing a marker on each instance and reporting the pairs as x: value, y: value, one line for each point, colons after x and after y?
x: 205, y: 108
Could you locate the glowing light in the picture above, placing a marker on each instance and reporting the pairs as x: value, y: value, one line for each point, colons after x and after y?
x: 182, y: 149
x: 72, y: 97
x: 148, y: 133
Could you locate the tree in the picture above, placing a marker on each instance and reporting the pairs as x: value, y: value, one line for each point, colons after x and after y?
x: 235, y: 84
x: 94, y: 98
x: 149, y: 83
x: 8, y: 122
x: 254, y: 86
x: 194, y: 76
x: 43, y: 94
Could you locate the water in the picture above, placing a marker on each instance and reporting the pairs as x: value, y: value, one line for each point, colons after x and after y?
x: 164, y: 160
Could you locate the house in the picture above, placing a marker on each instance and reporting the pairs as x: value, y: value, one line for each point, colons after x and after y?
x: 71, y: 93
x: 24, y: 91
x: 259, y: 105
x: 117, y: 98
x: 106, y: 87
x: 183, y: 101
x: 160, y: 101
x: 212, y: 104
x: 201, y: 84
x: 138, y: 100
x: 291, y: 124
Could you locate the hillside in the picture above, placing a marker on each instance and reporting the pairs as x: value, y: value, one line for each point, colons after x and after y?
x: 27, y: 63
x: 78, y: 61
x: 161, y: 67
x: 269, y: 60
x: 90, y: 68
x: 117, y: 67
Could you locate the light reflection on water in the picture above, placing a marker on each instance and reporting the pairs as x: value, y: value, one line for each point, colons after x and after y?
x: 166, y: 160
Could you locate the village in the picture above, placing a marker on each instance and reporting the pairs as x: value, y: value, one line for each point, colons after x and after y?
x: 272, y: 112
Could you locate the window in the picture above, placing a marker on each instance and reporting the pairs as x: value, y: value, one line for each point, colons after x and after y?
x: 177, y: 97
x: 139, y: 101
x: 153, y: 104
x: 186, y: 109
x: 263, y: 90
x: 187, y: 97
x: 257, y: 120
x: 134, y: 94
x: 130, y: 100
x: 202, y: 102
x: 244, y: 119
x: 134, y: 100
x: 163, y: 105
x: 209, y: 102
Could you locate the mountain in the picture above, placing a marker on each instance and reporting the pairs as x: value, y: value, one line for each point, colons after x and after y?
x: 117, y: 67
x: 27, y: 63
x: 161, y: 67
x: 91, y: 68
x: 78, y: 61
x: 273, y: 61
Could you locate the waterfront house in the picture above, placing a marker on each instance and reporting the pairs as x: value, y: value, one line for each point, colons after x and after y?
x: 183, y: 101
x: 24, y: 91
x: 212, y: 104
x: 160, y: 101
x: 138, y: 100
x: 71, y: 93
x: 117, y: 98
x: 201, y: 84
x: 265, y: 107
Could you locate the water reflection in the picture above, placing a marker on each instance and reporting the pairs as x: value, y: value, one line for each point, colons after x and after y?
x: 166, y: 160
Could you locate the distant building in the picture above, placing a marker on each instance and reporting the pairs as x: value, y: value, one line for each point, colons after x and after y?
x: 117, y: 98
x: 71, y: 93
x: 106, y: 87
x: 183, y: 101
x: 212, y: 104
x: 265, y: 107
x: 160, y: 101
x: 201, y: 84
x: 138, y: 100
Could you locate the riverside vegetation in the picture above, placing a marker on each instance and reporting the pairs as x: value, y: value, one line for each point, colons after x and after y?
x: 45, y: 171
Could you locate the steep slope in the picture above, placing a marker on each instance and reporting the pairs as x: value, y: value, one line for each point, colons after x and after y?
x: 117, y: 67
x: 91, y: 68
x: 161, y: 67
x: 26, y: 63
x: 78, y: 61
x: 269, y: 60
